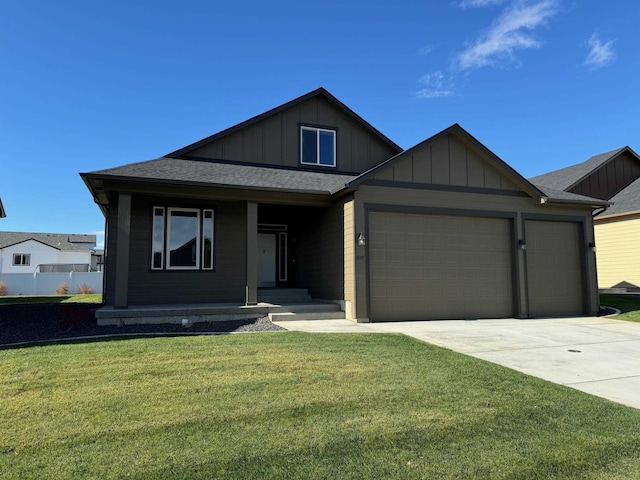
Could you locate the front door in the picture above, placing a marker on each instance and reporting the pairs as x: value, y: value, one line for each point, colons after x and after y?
x: 266, y: 260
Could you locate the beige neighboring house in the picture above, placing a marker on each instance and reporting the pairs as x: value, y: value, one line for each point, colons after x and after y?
x: 613, y: 176
x: 310, y: 197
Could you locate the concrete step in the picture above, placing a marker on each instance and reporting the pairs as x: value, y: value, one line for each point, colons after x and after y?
x: 291, y: 316
x: 306, y: 308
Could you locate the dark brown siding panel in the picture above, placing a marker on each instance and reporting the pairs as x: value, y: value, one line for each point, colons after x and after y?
x: 327, y: 115
x: 319, y: 254
x: 225, y: 284
x: 344, y: 144
x: 611, y: 178
x: 253, y: 144
x: 290, y: 140
x: 233, y: 147
x: 309, y: 111
x: 272, y: 137
x: 112, y: 239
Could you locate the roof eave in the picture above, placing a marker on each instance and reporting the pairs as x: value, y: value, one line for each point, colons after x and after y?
x: 160, y: 181
x: 591, y: 203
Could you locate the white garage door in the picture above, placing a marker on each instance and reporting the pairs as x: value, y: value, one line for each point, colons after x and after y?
x: 424, y: 267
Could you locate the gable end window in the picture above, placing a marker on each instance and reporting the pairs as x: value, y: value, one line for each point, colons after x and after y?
x: 317, y: 146
x: 21, y: 259
x: 182, y: 239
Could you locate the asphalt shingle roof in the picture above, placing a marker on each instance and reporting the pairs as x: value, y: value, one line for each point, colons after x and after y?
x: 565, y: 178
x: 58, y: 241
x: 231, y: 175
x: 553, y: 194
x: 627, y: 200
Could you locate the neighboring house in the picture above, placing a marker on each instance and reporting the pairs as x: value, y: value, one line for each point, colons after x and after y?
x: 22, y: 252
x: 310, y: 195
x: 2, y: 212
x: 612, y: 176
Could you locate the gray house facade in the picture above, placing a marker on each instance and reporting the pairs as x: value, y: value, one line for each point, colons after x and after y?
x: 310, y: 195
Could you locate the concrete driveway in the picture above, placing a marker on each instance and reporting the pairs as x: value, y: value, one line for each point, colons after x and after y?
x: 597, y: 355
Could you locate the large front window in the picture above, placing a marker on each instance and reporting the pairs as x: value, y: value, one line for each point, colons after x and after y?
x: 182, y: 239
x: 317, y: 146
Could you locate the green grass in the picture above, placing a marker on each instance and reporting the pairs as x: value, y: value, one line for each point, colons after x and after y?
x: 88, y: 298
x: 629, y: 306
x: 296, y: 405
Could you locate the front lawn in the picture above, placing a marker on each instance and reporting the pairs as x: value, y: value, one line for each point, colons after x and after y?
x: 80, y: 298
x: 629, y: 306
x: 296, y: 405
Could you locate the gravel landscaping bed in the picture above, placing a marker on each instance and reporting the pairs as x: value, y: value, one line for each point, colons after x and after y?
x: 41, y: 322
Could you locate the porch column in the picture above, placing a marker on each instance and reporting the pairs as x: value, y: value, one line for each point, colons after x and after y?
x: 251, y: 288
x: 123, y: 234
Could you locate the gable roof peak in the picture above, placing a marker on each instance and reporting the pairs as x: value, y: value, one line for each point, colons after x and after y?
x: 320, y: 91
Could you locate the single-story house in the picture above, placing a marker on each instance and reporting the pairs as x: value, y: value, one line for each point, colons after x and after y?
x: 310, y: 195
x: 612, y: 176
x: 22, y: 252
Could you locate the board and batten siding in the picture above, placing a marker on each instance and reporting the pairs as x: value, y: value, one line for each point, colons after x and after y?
x: 618, y: 252
x: 276, y: 139
x: 611, y: 178
x: 319, y: 254
x: 446, y: 161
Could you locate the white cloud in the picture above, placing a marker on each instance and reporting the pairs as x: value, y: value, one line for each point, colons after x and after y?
x: 509, y: 32
x: 479, y: 3
x: 426, y: 50
x: 436, y: 85
x: 600, y: 54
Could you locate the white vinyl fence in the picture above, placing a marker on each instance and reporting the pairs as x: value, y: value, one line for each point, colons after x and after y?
x: 47, y: 283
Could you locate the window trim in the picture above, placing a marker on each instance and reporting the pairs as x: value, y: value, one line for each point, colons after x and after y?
x: 23, y: 256
x: 318, y: 130
x: 165, y: 233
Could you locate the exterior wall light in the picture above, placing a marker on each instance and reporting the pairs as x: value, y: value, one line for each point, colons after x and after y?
x: 522, y: 245
x: 361, y: 240
x: 592, y: 247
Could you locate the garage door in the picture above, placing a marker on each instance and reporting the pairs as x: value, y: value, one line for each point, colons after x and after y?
x: 425, y: 267
x: 554, y: 268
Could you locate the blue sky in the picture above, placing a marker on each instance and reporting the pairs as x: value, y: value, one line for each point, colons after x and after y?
x: 91, y: 85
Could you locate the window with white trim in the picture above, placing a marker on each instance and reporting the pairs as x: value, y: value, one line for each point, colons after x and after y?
x: 317, y: 146
x: 182, y: 239
x: 21, y: 259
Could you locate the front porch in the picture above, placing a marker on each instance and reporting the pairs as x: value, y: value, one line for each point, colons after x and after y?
x: 278, y: 304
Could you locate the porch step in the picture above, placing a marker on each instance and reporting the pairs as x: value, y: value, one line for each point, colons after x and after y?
x: 292, y: 316
x: 281, y: 296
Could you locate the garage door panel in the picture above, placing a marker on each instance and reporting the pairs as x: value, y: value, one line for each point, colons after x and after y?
x: 554, y: 268
x: 448, y: 267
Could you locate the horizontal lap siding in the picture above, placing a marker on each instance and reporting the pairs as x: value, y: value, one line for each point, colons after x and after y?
x: 225, y: 284
x: 618, y: 253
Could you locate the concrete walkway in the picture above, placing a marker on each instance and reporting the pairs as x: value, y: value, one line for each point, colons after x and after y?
x: 596, y: 355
